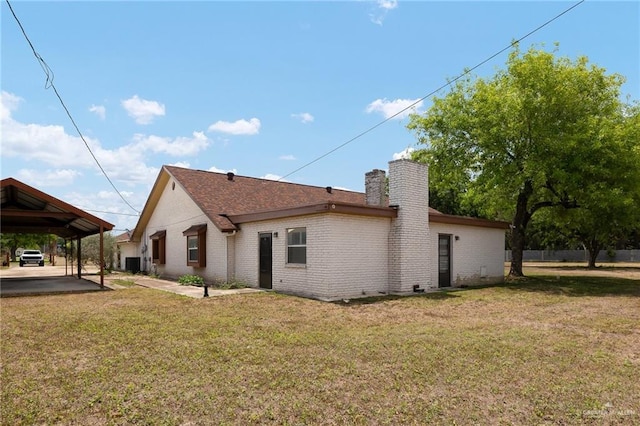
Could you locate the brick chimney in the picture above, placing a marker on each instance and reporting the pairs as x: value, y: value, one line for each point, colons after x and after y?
x: 374, y: 186
x: 409, y: 238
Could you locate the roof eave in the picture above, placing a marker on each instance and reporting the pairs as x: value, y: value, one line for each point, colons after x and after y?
x: 468, y: 221
x: 328, y: 207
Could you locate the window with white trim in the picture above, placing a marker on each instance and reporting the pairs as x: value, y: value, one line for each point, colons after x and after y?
x: 192, y: 248
x: 297, y: 246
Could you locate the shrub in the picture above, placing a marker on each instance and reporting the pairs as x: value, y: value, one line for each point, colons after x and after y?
x: 228, y: 285
x: 191, y: 280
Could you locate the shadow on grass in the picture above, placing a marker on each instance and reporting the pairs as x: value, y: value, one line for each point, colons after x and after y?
x: 575, y: 286
x: 553, y: 267
x: 436, y: 295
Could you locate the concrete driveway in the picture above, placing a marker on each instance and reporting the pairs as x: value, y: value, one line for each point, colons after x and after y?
x: 37, y: 280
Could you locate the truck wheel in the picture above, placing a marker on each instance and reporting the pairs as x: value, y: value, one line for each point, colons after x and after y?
x: 21, y: 263
x: 41, y: 263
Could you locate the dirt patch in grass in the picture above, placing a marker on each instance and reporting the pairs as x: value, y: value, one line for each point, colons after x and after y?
x: 628, y: 270
x: 543, y: 350
x: 123, y: 282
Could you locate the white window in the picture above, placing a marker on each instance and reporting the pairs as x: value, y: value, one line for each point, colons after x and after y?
x: 196, y: 245
x: 297, y: 246
x: 192, y: 248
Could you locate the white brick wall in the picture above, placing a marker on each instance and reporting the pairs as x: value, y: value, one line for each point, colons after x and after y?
x: 478, y: 250
x: 175, y: 213
x: 409, y: 238
x: 346, y: 256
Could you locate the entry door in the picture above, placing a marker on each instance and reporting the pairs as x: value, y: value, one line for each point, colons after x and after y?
x: 444, y: 260
x: 266, y: 260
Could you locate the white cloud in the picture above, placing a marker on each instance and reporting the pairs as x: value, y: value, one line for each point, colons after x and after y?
x: 183, y: 164
x: 8, y: 102
x: 403, y: 154
x: 217, y: 170
x: 177, y: 147
x: 51, y: 145
x: 389, y: 108
x: 381, y: 9
x: 287, y: 157
x: 47, y: 143
x: 239, y: 127
x: 99, y: 110
x: 142, y: 110
x: 303, y: 117
x: 271, y: 176
x: 47, y: 178
x: 108, y: 205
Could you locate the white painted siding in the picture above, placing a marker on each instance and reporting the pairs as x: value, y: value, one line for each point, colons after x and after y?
x: 477, y: 257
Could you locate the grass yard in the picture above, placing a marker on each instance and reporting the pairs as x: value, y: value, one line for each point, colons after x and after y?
x: 544, y: 350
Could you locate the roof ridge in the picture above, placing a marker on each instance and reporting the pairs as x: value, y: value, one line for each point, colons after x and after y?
x: 235, y: 175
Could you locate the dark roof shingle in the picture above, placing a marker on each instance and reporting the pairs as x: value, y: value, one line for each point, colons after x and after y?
x: 218, y: 196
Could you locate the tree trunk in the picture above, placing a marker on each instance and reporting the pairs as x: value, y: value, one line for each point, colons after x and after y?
x: 517, y: 248
x: 593, y: 254
x: 593, y: 247
x: 518, y: 230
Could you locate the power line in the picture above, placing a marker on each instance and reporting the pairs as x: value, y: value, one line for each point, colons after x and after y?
x: 449, y: 83
x: 114, y: 213
x: 49, y: 84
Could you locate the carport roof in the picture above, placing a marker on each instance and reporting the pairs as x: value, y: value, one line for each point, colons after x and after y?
x: 25, y: 209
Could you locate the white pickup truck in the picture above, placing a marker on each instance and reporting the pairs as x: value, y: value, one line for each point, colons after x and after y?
x: 31, y: 256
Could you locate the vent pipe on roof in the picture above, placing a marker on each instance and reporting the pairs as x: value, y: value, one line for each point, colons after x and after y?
x: 329, y: 189
x: 230, y: 176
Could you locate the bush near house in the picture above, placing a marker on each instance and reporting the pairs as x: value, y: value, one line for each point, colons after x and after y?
x: 194, y: 280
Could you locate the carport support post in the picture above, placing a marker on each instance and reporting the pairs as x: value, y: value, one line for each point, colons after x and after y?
x: 79, y: 262
x: 101, y: 257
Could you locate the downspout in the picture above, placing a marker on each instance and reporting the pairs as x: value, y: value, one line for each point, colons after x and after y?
x: 232, y: 275
x: 143, y: 250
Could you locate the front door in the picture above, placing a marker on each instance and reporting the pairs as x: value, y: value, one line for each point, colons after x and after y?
x: 265, y: 260
x: 444, y: 260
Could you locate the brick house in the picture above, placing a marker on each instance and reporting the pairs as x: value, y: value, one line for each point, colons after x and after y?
x: 313, y: 241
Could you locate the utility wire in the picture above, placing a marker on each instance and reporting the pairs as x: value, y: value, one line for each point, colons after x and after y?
x: 448, y: 83
x: 49, y: 84
x: 113, y: 213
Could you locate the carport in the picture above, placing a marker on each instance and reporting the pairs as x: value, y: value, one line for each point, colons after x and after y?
x: 25, y: 209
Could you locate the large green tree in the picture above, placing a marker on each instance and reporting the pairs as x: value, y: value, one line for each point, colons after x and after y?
x: 536, y: 135
x: 610, y: 210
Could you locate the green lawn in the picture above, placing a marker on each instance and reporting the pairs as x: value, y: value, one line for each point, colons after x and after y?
x: 544, y: 350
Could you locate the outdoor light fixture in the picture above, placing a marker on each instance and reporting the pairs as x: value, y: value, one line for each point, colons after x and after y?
x: 457, y: 237
x: 275, y: 235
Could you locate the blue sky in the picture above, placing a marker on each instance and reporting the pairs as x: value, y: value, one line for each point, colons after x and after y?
x: 258, y: 88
